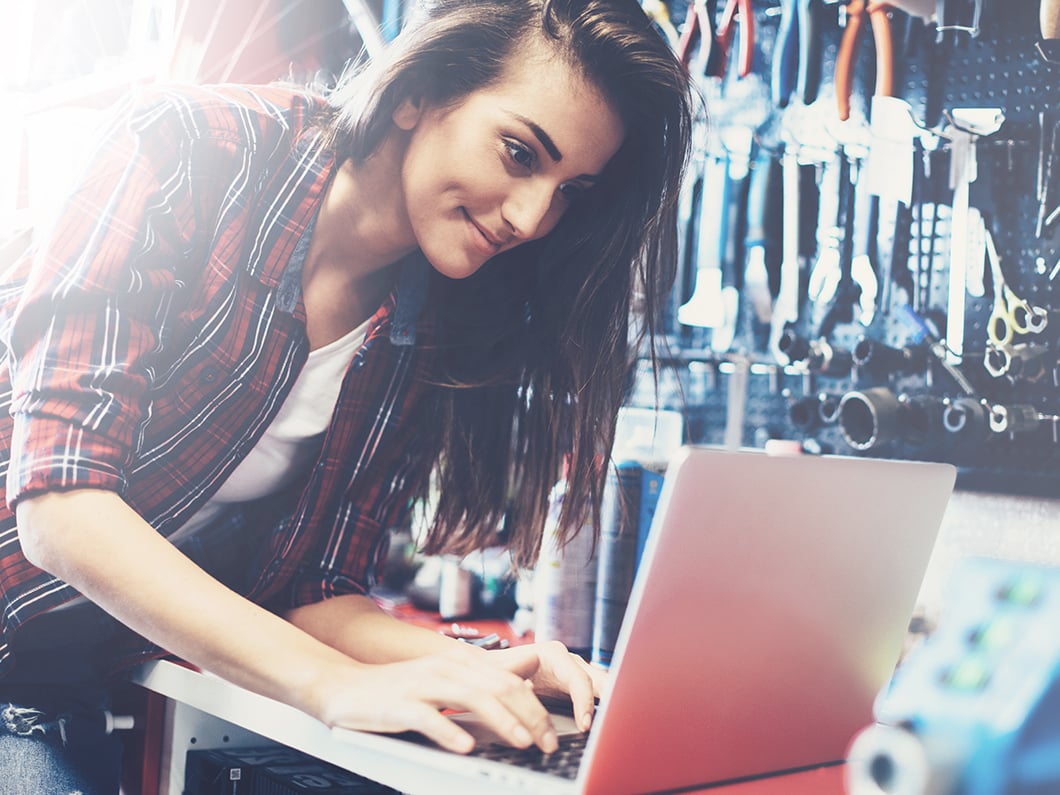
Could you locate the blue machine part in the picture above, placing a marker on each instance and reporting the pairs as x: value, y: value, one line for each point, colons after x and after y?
x: 975, y: 709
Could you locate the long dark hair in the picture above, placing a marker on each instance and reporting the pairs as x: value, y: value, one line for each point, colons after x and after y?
x: 535, y: 349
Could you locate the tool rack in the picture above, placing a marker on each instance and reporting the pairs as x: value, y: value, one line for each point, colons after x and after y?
x: 888, y: 383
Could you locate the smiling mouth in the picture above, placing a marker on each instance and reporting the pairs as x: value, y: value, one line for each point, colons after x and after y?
x: 482, y: 232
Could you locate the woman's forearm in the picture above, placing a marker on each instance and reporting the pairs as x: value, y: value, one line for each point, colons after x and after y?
x: 93, y: 540
x: 319, y: 663
x: 358, y: 628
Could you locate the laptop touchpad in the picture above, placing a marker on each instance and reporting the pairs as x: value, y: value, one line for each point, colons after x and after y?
x: 483, y: 734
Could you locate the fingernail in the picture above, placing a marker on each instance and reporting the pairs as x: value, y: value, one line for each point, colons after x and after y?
x: 522, y: 736
x: 587, y: 721
x: 463, y: 743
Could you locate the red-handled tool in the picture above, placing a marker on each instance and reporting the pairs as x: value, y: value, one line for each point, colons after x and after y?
x: 727, y: 32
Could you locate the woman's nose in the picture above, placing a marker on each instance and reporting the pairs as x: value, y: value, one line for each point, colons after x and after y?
x: 527, y: 209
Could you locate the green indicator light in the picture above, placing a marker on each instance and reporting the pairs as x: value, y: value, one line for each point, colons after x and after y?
x: 969, y: 674
x: 997, y: 634
x: 1024, y: 591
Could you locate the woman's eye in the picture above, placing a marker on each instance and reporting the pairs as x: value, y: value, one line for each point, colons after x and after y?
x: 520, y: 154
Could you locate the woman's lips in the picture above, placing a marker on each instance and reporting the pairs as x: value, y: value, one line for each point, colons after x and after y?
x: 485, y: 241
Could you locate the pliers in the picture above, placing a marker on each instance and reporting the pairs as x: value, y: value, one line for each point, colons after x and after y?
x: 797, y: 52
x: 848, y: 48
x: 727, y: 31
x: 716, y: 41
x: 699, y: 28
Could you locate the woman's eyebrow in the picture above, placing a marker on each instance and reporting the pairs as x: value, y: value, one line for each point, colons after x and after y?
x: 549, y: 145
x: 542, y: 136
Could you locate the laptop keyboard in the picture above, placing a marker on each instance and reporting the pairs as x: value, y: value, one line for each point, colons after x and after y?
x: 563, y: 762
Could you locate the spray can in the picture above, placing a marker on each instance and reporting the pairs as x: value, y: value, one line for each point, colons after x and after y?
x: 644, y: 442
x: 617, y: 563
x: 565, y: 583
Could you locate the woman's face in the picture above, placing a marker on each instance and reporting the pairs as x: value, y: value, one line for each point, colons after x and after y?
x: 502, y: 165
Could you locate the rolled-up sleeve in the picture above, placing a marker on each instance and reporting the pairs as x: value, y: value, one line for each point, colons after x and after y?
x: 83, y: 314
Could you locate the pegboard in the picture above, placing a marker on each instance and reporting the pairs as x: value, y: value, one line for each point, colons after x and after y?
x: 945, y: 402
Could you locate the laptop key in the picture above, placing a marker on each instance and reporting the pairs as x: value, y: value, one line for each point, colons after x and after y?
x: 563, y: 762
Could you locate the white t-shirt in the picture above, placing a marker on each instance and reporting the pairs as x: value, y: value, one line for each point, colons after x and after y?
x: 293, y: 438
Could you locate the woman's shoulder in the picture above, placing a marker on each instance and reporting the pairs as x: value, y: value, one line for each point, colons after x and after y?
x: 249, y: 114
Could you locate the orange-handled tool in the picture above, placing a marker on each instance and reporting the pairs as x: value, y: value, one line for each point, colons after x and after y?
x: 848, y: 50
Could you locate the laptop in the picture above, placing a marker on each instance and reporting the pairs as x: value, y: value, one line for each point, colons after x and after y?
x: 769, y: 609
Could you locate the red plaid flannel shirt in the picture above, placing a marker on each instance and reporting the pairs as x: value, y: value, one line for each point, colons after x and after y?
x: 156, y: 329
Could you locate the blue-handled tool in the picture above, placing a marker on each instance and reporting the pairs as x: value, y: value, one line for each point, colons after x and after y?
x: 810, y: 48
x: 797, y: 53
x: 785, y: 54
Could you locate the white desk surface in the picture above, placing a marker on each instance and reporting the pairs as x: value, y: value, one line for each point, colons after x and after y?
x: 369, y: 755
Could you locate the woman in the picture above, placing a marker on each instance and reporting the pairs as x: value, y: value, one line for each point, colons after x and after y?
x: 264, y: 324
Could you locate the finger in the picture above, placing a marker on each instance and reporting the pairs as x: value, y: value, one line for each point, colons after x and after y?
x: 580, y: 682
x: 504, y: 701
x: 439, y: 729
x: 517, y: 715
x: 582, y: 689
x: 599, y: 677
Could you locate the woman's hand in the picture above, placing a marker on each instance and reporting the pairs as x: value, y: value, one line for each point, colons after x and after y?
x: 409, y: 695
x: 435, y: 671
x: 558, y: 673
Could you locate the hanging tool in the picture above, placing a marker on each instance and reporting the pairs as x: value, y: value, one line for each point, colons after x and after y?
x: 880, y: 360
x: 966, y: 417
x: 688, y: 213
x: 938, y: 56
x: 1010, y: 314
x: 923, y: 333
x: 825, y: 270
x: 966, y: 234
x: 1015, y: 418
x: 958, y: 16
x: 1024, y: 361
x: 706, y: 308
x: 796, y: 67
x: 966, y: 225
x: 738, y: 144
x: 1047, y: 144
x: 865, y: 264
x: 785, y: 64
x: 844, y: 292
x: 715, y: 41
x: 699, y: 29
x: 896, y: 272
x: 737, y: 13
x: 786, y: 307
x: 897, y: 283
x: 763, y: 191
x: 856, y: 11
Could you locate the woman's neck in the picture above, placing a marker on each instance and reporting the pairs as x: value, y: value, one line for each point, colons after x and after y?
x: 363, y: 222
x: 360, y: 233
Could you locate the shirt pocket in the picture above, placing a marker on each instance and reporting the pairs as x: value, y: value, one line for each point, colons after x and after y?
x: 206, y: 368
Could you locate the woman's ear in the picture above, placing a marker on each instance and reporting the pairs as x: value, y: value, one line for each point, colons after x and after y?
x: 407, y: 114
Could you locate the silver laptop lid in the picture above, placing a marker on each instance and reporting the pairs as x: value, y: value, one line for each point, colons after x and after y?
x: 770, y: 607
